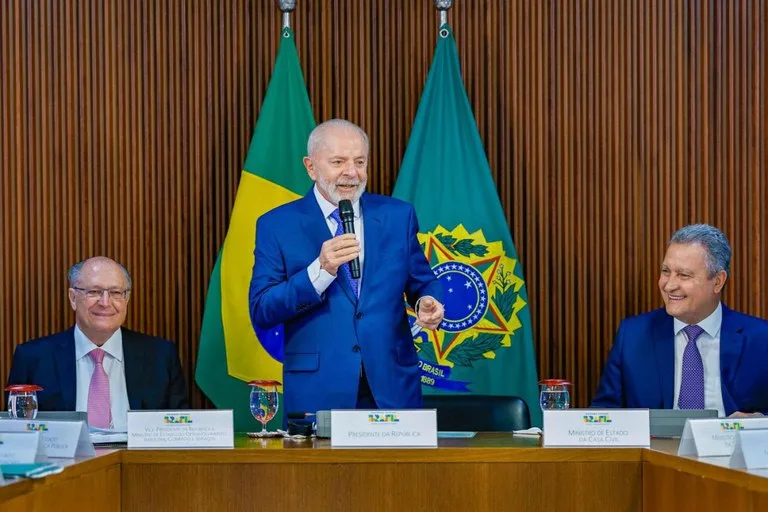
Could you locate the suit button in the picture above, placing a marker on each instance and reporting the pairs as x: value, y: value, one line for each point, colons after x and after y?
x: 359, y: 316
x: 356, y: 348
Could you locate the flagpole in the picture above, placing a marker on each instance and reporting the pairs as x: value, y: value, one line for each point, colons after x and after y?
x: 443, y: 6
x: 286, y: 6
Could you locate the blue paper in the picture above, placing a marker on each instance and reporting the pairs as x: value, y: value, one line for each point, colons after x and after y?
x: 35, y: 470
x: 456, y: 435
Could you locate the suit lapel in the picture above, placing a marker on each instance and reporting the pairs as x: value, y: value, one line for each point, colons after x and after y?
x: 731, y: 348
x: 134, y: 355
x: 313, y: 223
x: 372, y: 230
x: 664, y: 346
x: 65, y: 366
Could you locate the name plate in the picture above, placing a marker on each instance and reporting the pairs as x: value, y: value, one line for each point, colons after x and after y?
x: 19, y: 447
x: 384, y: 428
x: 58, y: 438
x: 750, y: 450
x: 715, y: 437
x: 181, y: 429
x: 597, y: 428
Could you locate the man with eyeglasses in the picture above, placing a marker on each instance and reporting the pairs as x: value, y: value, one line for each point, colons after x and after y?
x: 98, y: 366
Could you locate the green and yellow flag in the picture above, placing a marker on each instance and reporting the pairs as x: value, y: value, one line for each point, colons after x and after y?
x: 485, y: 344
x: 231, y: 352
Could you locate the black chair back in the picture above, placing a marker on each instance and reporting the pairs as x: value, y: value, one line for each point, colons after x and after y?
x: 479, y: 413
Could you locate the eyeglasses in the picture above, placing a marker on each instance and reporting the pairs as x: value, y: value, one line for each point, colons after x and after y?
x: 98, y: 293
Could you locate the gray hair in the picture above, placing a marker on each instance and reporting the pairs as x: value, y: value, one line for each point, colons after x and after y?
x: 712, y: 240
x: 317, y: 137
x: 74, y: 271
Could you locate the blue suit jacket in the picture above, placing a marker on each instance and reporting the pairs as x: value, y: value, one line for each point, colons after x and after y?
x: 153, y: 374
x: 641, y: 366
x: 327, y: 337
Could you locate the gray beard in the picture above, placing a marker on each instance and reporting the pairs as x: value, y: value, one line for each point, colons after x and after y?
x: 333, y: 193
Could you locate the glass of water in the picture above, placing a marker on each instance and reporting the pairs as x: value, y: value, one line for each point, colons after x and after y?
x: 264, y: 401
x: 22, y: 401
x: 555, y: 394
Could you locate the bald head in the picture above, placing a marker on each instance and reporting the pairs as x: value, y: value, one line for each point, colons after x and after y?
x: 317, y: 139
x: 94, y: 264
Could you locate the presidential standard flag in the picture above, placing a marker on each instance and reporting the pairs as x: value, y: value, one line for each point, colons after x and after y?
x: 485, y: 343
x: 231, y: 351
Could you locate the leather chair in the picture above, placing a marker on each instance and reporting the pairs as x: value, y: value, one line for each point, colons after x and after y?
x: 479, y: 413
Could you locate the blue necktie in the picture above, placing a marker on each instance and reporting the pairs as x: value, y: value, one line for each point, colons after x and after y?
x: 354, y: 283
x: 692, y: 376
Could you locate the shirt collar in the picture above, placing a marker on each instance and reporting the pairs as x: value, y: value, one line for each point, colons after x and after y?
x: 328, y: 207
x: 84, y: 346
x: 711, y: 324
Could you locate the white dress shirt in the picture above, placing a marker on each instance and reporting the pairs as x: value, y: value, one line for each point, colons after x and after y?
x: 319, y: 278
x: 114, y: 367
x: 708, y: 344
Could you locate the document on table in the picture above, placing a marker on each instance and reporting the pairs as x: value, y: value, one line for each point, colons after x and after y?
x: 533, y: 432
x: 107, y: 436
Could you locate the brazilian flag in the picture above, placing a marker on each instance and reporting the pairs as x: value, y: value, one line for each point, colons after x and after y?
x: 231, y: 352
x: 485, y: 343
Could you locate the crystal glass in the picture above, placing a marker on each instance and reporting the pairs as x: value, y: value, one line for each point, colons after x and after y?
x: 555, y: 394
x: 22, y: 401
x: 264, y: 401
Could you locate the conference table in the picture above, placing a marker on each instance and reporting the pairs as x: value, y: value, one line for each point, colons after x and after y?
x: 492, y: 471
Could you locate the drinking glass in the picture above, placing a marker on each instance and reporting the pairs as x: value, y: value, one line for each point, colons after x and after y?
x: 264, y: 401
x: 22, y: 401
x: 555, y: 394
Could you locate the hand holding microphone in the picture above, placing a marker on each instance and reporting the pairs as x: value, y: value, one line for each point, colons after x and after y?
x: 343, y: 248
x: 338, y: 251
x: 348, y: 224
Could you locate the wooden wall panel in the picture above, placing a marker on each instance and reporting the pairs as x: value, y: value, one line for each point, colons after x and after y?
x: 124, y: 124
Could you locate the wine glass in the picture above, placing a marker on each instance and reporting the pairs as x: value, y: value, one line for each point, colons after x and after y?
x: 22, y: 401
x: 264, y: 401
x: 555, y: 394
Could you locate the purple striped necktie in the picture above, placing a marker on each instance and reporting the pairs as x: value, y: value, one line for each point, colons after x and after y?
x: 99, y: 407
x: 354, y: 283
x: 692, y: 375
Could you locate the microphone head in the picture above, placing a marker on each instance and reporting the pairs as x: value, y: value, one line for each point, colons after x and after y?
x: 345, y: 209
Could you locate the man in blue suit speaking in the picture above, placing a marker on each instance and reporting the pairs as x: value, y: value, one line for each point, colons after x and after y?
x: 695, y: 353
x: 348, y: 343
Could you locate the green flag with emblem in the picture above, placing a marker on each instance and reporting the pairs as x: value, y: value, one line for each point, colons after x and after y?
x: 485, y: 343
